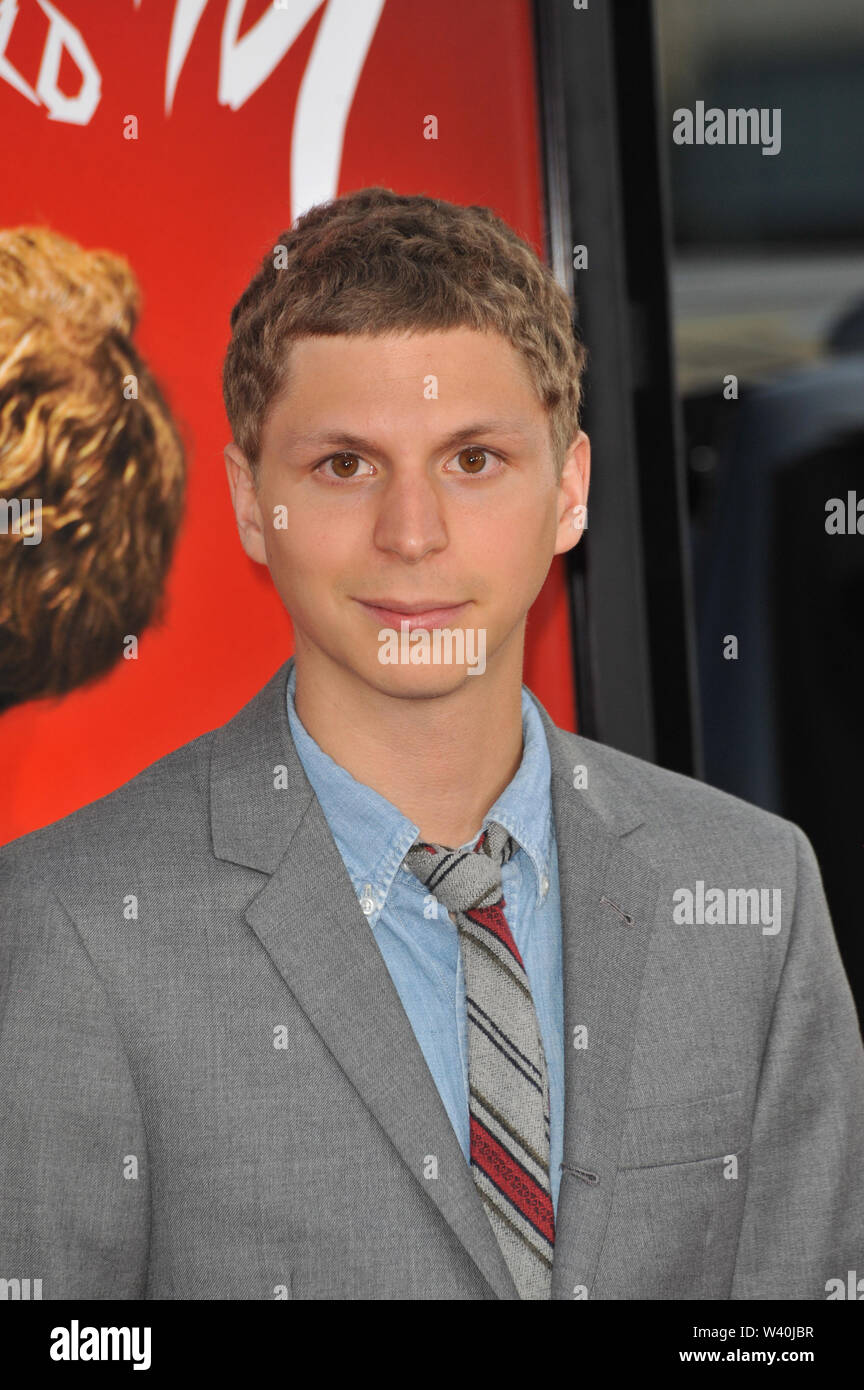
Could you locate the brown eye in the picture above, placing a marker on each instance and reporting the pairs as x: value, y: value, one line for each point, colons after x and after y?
x: 472, y: 460
x: 344, y: 465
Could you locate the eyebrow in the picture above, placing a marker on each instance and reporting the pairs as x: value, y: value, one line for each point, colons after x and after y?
x: 342, y: 439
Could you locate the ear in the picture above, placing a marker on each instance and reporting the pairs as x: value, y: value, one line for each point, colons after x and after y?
x: 573, y: 494
x: 244, y: 499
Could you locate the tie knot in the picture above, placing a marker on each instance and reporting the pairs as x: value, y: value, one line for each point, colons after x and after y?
x: 463, y: 879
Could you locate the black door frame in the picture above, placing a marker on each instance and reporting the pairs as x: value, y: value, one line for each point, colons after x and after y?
x: 629, y: 578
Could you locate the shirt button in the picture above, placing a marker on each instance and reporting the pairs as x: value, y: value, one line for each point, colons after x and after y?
x: 366, y: 904
x: 544, y: 886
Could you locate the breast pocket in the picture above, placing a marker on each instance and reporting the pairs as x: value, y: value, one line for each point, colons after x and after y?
x: 677, y: 1202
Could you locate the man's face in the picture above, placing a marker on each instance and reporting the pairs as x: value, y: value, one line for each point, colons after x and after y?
x: 402, y: 472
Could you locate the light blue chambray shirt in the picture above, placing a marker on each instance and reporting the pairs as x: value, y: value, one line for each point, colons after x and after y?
x: 422, y: 951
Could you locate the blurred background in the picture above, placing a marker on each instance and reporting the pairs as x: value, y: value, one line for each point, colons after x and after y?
x: 767, y: 285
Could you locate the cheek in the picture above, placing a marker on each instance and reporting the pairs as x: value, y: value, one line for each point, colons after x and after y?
x: 523, y: 557
x: 297, y: 549
x: 280, y: 559
x: 517, y: 542
x: 288, y: 567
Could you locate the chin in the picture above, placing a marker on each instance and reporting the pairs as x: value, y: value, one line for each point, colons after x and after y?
x: 420, y: 682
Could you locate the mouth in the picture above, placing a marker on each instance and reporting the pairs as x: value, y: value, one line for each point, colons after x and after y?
x: 427, y: 613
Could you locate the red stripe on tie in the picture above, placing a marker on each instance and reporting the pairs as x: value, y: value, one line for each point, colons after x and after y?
x: 493, y: 919
x: 524, y: 1191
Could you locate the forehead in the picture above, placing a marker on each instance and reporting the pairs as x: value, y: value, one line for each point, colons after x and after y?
x: 407, y: 374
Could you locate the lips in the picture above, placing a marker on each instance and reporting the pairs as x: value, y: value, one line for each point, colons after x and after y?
x: 427, y: 613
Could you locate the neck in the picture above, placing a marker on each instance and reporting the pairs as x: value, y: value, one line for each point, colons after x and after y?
x: 442, y: 761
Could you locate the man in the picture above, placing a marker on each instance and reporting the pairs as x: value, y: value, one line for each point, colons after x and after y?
x: 389, y: 988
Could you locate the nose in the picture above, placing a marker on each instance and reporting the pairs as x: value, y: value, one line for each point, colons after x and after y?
x: 410, y: 521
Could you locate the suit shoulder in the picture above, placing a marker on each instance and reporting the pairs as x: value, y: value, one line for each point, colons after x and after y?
x: 673, y: 802
x: 162, y: 798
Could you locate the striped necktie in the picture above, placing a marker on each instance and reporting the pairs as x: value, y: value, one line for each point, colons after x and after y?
x: 507, y: 1076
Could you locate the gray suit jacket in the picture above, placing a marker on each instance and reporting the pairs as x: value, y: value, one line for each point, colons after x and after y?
x: 209, y: 1088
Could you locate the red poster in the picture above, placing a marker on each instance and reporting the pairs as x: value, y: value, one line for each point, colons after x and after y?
x: 185, y: 135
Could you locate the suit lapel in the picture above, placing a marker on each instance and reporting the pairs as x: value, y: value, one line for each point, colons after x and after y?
x: 604, y: 957
x: 309, y: 921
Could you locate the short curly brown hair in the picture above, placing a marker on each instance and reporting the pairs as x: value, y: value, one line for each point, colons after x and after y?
x: 108, y: 471
x: 375, y: 261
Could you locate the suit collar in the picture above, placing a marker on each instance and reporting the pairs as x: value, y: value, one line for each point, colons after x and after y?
x: 606, y: 797
x: 255, y: 808
x: 259, y: 792
x: 265, y: 815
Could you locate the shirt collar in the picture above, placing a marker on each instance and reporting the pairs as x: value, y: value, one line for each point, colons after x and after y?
x: 373, y: 836
x: 524, y: 807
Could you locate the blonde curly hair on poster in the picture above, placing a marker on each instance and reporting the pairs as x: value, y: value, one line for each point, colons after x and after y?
x: 86, y: 432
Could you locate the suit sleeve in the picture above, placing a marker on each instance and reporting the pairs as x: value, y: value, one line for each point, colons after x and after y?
x: 72, y: 1211
x: 803, y: 1220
